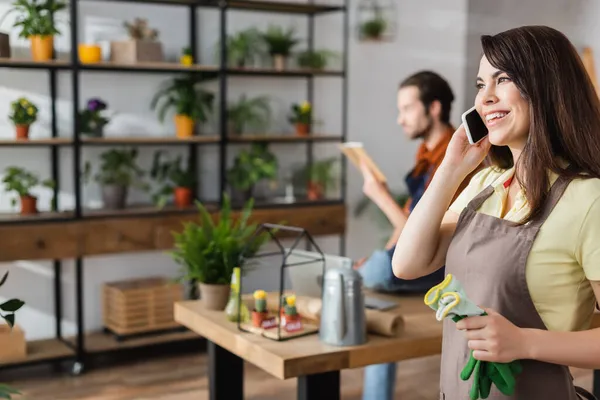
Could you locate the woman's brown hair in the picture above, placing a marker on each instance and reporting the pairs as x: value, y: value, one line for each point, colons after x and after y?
x: 564, y: 108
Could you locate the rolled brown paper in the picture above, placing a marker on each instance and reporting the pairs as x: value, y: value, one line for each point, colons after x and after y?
x: 378, y: 322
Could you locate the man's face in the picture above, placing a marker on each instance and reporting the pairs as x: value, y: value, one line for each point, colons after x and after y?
x: 412, y: 116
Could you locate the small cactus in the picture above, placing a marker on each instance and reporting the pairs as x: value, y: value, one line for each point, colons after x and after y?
x: 290, y: 305
x: 260, y: 301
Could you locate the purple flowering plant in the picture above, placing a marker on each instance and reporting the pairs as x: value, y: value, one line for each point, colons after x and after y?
x: 92, y: 117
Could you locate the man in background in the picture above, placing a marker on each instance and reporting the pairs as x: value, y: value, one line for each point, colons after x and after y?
x: 424, y: 103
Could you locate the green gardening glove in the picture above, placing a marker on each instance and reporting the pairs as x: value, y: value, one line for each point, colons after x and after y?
x: 448, y: 299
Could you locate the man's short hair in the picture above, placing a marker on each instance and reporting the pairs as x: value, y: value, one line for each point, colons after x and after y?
x: 432, y: 87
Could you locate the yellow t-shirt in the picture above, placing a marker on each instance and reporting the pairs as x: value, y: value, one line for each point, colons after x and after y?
x: 565, y: 255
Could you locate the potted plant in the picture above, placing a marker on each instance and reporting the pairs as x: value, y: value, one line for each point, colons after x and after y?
x: 10, y: 307
x: 280, y: 43
x: 317, y: 178
x: 142, y: 46
x: 246, y: 113
x: 250, y: 167
x: 301, y: 117
x: 23, y: 113
x: 315, y: 60
x: 191, y: 103
x: 22, y: 181
x: 259, y: 313
x: 210, y: 250
x: 186, y: 57
x: 93, y: 118
x: 242, y: 47
x: 175, y: 181
x: 118, y: 171
x: 37, y: 22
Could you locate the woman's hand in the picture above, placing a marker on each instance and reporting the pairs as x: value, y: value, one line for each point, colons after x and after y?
x: 462, y: 156
x: 494, y: 338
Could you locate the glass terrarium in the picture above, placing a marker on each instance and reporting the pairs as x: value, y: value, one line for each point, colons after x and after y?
x: 376, y: 20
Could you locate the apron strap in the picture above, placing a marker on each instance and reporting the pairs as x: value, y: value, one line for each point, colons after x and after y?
x: 556, y: 192
x: 478, y: 200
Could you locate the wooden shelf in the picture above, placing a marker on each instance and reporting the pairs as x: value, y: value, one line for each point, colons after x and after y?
x: 30, y: 64
x: 148, y: 67
x: 60, y: 141
x: 289, y: 138
x: 98, y: 342
x: 148, y: 140
x: 7, y: 218
x: 144, y: 209
x: 252, y: 71
x: 283, y: 6
x: 40, y: 350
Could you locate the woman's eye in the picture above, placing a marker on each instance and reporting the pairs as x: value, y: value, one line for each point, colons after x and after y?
x: 503, y: 79
x: 479, y: 86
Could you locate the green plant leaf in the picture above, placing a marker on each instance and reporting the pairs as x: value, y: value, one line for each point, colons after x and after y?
x: 10, y: 319
x: 11, y: 305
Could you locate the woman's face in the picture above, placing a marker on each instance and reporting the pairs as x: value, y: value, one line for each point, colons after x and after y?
x: 503, y: 109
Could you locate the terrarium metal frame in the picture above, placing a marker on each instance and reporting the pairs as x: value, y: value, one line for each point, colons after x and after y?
x: 284, y: 252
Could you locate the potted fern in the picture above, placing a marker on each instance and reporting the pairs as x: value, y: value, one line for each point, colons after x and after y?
x: 242, y: 47
x: 118, y: 171
x: 37, y: 22
x: 253, y: 113
x: 174, y: 180
x: 208, y: 250
x: 249, y: 168
x: 192, y: 104
x: 21, y: 181
x: 280, y: 43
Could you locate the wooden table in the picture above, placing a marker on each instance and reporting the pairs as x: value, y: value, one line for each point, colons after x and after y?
x: 314, y: 364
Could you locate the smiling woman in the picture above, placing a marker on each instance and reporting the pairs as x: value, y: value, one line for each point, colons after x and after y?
x: 525, y: 246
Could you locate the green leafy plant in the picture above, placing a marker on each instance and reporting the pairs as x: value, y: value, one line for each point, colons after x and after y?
x: 10, y: 307
x: 251, y: 113
x: 301, y: 113
x: 251, y: 166
x: 169, y: 174
x: 23, y: 112
x: 36, y: 17
x: 279, y: 41
x: 209, y: 250
x: 242, y: 47
x: 314, y: 59
x: 117, y: 167
x: 184, y: 95
x: 21, y: 181
x: 92, y: 119
x: 374, y: 28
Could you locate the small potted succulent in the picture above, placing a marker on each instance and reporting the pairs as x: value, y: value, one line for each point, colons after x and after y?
x: 21, y: 181
x: 291, y: 319
x: 93, y: 118
x: 174, y: 179
x: 259, y: 314
x: 23, y: 113
x: 186, y: 57
x: 301, y: 118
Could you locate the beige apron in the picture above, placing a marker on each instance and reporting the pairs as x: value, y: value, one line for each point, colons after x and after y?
x: 488, y: 256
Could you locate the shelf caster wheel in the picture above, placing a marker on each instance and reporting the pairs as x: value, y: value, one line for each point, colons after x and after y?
x: 77, y: 368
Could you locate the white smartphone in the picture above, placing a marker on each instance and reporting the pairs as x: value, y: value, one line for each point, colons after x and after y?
x: 474, y: 125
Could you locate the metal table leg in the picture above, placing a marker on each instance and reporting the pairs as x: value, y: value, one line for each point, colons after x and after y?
x: 226, y: 374
x: 319, y: 386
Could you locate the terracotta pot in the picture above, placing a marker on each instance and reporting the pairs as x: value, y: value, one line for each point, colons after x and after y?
x: 279, y: 62
x: 183, y: 197
x: 184, y: 126
x: 315, y: 191
x: 41, y: 47
x: 258, y: 318
x: 302, y: 129
x: 214, y: 297
x: 22, y: 131
x: 28, y: 205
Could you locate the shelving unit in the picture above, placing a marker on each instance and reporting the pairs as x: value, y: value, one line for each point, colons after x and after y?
x: 81, y: 232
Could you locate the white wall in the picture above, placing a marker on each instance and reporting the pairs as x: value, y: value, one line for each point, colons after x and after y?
x: 433, y: 34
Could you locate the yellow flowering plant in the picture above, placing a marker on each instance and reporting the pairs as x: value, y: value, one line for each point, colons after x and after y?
x: 301, y: 113
x: 23, y: 112
x: 260, y: 301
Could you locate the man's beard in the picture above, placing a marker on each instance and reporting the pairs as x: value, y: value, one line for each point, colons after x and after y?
x: 423, y: 133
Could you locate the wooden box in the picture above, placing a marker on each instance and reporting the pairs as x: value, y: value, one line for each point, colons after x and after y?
x: 12, y: 343
x: 140, y: 305
x: 136, y: 51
